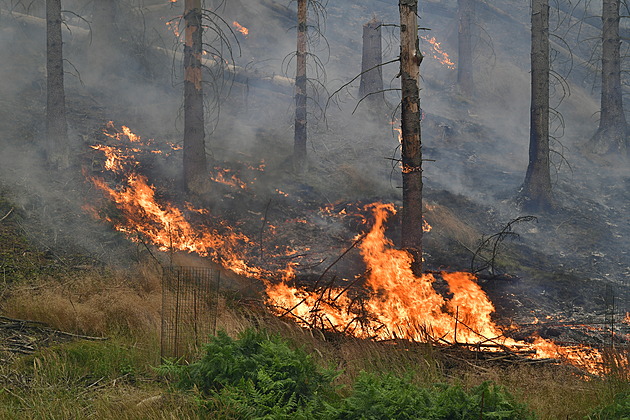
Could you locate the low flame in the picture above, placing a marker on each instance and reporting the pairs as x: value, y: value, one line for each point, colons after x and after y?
x: 437, y: 52
x: 240, y: 28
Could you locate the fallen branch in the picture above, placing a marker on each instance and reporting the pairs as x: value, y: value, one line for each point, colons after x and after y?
x: 7, y: 215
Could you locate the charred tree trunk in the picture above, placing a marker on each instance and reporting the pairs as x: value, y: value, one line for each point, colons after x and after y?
x: 299, y: 147
x: 371, y: 86
x: 612, y: 134
x: 465, y: 17
x: 56, y: 123
x: 101, y: 54
x: 410, y: 59
x: 536, y: 191
x: 195, y: 162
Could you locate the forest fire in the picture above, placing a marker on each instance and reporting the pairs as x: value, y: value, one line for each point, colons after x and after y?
x: 240, y: 28
x: 437, y: 52
x: 387, y: 301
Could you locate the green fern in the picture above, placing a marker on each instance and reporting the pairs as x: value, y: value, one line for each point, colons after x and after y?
x: 256, y: 376
x: 390, y: 397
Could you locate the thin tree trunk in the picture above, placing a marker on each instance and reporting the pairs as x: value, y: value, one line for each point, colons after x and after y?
x: 102, y: 58
x: 299, y: 147
x: 195, y: 162
x: 536, y: 191
x: 371, y: 85
x: 410, y: 59
x: 611, y: 136
x: 465, y: 17
x: 56, y: 124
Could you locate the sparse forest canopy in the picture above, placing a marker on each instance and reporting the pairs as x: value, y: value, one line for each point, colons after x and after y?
x: 431, y: 195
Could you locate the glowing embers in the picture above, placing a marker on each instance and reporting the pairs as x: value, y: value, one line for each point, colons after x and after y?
x: 437, y: 53
x: 240, y: 28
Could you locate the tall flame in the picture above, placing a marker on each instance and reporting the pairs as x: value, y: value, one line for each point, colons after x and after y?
x: 400, y: 304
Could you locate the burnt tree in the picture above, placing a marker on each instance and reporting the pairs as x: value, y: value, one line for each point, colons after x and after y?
x: 104, y: 36
x: 612, y: 134
x: 535, y: 193
x: 410, y: 59
x: 195, y: 161
x: 299, y: 146
x: 371, y: 85
x: 56, y: 123
x: 465, y: 18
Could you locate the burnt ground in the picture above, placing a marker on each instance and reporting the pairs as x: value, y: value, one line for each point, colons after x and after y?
x: 569, y: 267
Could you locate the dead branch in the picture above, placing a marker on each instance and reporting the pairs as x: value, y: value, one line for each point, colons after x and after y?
x: 7, y: 215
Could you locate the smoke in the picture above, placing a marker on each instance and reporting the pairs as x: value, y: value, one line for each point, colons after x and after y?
x: 479, y: 146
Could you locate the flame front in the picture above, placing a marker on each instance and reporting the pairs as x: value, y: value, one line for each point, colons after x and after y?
x: 392, y: 303
x: 162, y: 223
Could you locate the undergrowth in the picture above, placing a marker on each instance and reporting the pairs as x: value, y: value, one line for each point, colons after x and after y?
x: 261, y: 376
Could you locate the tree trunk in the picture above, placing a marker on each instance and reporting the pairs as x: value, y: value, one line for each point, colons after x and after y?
x: 611, y: 136
x: 102, y: 56
x: 56, y: 124
x: 195, y: 162
x: 536, y: 191
x: 371, y: 86
x: 299, y: 147
x: 410, y: 59
x: 465, y: 17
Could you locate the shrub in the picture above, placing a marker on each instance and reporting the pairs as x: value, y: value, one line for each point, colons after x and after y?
x: 256, y: 376
x: 390, y: 397
x: 618, y: 410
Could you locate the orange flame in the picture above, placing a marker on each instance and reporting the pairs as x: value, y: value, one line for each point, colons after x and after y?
x: 437, y: 52
x: 173, y: 25
x: 400, y: 305
x: 392, y: 304
x: 164, y: 224
x: 240, y: 28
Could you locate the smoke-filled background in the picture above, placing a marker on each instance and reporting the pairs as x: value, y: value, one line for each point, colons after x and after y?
x: 127, y: 68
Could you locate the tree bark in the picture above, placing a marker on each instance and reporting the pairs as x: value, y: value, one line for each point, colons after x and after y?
x: 299, y: 147
x: 195, y: 161
x: 465, y: 17
x: 56, y: 123
x: 410, y: 59
x: 612, y: 134
x: 102, y: 57
x: 536, y: 191
x: 371, y: 86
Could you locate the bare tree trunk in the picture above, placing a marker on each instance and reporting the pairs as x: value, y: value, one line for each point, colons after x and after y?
x: 465, y: 17
x: 195, y: 162
x: 299, y: 147
x: 612, y: 134
x: 536, y: 191
x: 410, y: 59
x: 56, y: 124
x: 101, y: 54
x: 371, y: 71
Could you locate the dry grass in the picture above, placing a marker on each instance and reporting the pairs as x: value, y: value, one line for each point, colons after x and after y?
x: 115, y: 379
x: 91, y: 303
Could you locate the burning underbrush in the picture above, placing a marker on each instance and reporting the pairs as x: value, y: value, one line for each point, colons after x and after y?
x: 367, y: 290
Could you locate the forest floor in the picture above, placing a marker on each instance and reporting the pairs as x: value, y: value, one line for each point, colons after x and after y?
x: 564, y: 277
